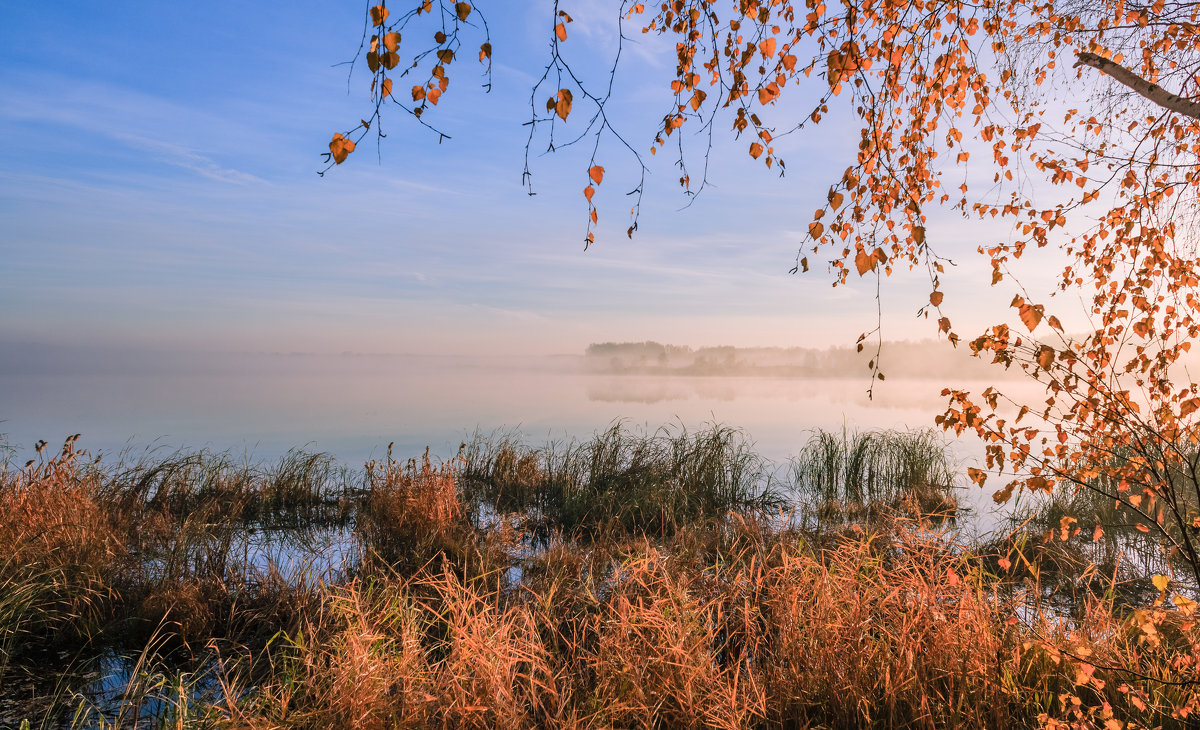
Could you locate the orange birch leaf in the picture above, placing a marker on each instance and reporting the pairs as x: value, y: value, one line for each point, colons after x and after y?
x: 562, y: 106
x: 1045, y: 357
x: 863, y: 263
x: 1031, y: 315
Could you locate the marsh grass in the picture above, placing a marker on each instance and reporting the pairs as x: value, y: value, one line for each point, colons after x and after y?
x: 861, y: 476
x: 897, y: 633
x: 621, y: 479
x: 302, y: 488
x: 629, y: 580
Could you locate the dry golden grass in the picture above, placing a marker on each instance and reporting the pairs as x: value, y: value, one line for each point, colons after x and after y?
x: 739, y: 621
x: 62, y: 554
x: 412, y: 513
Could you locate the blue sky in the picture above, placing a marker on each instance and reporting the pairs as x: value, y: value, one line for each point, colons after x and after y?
x: 158, y: 189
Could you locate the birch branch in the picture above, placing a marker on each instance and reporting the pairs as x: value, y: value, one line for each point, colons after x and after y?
x: 1153, y: 92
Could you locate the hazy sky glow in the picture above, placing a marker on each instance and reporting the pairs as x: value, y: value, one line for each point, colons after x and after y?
x: 158, y: 189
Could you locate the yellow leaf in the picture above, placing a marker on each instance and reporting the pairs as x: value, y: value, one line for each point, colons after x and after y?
x: 391, y: 41
x: 1160, y: 582
x: 560, y: 30
x: 596, y: 173
x: 697, y: 99
x: 815, y: 229
x: 1184, y: 604
x: 378, y: 14
x: 835, y: 200
x: 340, y: 147
x: 462, y: 10
x: 767, y: 47
x: 755, y: 149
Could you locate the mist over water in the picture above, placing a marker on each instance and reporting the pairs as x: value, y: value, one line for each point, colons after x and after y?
x: 354, y: 405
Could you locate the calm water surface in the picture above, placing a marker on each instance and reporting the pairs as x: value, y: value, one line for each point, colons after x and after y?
x: 353, y: 406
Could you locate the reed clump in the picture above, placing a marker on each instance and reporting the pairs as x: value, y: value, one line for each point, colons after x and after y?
x: 865, y: 476
x: 620, y: 479
x: 411, y: 514
x: 63, y: 555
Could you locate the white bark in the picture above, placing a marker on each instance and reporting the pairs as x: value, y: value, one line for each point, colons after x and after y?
x: 1153, y: 92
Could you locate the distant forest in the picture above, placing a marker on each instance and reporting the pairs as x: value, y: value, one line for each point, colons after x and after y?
x: 921, y: 359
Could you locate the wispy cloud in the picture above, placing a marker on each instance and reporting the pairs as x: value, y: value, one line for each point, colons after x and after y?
x: 181, y: 156
x: 127, y: 117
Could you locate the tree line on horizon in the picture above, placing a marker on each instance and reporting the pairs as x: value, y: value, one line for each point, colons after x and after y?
x: 906, y: 359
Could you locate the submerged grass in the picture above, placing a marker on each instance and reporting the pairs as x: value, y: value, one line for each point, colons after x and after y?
x: 629, y: 580
x: 864, y: 475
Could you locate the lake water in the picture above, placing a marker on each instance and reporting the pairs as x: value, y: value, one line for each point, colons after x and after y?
x: 353, y: 406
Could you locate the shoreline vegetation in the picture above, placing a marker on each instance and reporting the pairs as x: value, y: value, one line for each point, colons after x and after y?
x: 634, y: 579
x: 931, y: 359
